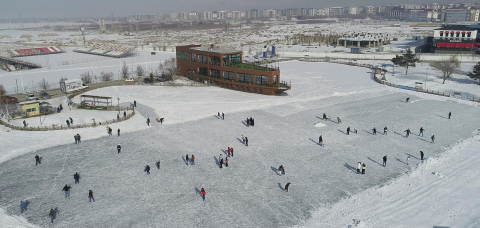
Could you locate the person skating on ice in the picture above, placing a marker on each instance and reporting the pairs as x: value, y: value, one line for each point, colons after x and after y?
x: 119, y: 148
x: 385, y: 161
x: 37, y: 160
x: 348, y: 130
x: 66, y: 189
x: 408, y: 132
x: 281, y: 169
x: 385, y: 130
x: 338, y: 120
x: 421, y: 131
x: 359, y: 167
x: 421, y: 155
x: 363, y: 168
x: 203, y: 193
x: 449, y: 115
x: 147, y: 169
x: 374, y: 130
x: 76, y: 177
x: 90, y: 196
x: 433, y: 138
x: 287, y: 186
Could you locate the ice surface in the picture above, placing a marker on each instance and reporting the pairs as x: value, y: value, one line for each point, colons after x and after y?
x: 248, y: 192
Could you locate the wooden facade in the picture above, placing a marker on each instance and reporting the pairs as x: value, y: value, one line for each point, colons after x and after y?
x: 226, y: 69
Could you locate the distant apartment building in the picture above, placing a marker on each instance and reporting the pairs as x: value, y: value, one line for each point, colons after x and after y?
x: 252, y: 14
x: 268, y: 13
x: 474, y: 14
x: 369, y: 10
x: 323, y: 12
x: 148, y: 17
x: 236, y: 14
x: 419, y: 15
x: 395, y: 13
x: 457, y: 14
x: 182, y: 16
x: 222, y: 14
x: 206, y: 16
x: 353, y: 10
x: 335, y: 11
x: 311, y: 12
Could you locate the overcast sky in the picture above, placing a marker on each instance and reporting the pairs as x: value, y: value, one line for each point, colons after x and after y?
x: 66, y: 8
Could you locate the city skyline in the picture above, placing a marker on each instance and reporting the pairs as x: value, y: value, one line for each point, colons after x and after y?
x: 50, y: 8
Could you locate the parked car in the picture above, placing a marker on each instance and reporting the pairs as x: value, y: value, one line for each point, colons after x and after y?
x: 31, y: 96
x: 45, y: 95
x: 146, y: 80
x: 160, y: 79
x: 85, y: 86
x: 10, y: 99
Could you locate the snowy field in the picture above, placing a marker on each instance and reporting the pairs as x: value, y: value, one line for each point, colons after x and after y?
x: 55, y: 72
x: 249, y: 193
x: 431, y: 78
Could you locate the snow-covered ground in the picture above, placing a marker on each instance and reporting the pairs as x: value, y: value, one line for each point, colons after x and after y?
x: 440, y: 192
x: 249, y: 193
x: 432, y: 79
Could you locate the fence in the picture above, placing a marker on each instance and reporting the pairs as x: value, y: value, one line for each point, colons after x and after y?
x: 78, y: 61
x: 65, y: 128
x: 418, y: 89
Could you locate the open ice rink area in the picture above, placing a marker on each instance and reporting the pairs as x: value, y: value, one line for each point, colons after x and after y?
x: 250, y: 192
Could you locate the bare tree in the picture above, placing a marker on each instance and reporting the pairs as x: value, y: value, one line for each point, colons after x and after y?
x: 140, y: 71
x: 3, y: 98
x: 124, y: 72
x: 86, y: 77
x: 106, y: 76
x: 169, y: 69
x: 447, y: 66
x: 43, y: 84
x: 62, y: 79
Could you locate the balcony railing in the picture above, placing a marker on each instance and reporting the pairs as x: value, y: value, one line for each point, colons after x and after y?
x: 250, y: 66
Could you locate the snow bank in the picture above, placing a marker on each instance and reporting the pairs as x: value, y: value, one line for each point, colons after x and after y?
x: 442, y: 191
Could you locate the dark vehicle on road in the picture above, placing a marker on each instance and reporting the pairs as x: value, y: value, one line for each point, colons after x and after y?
x: 45, y: 95
x: 9, y: 99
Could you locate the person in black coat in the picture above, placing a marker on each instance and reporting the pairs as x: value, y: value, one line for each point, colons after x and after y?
x: 449, y: 115
x: 75, y: 137
x: 385, y: 130
x: 76, y: 176
x: 90, y: 195
x: 348, y: 130
x: 147, y: 169
x: 246, y: 141
x: 37, y: 160
x: 119, y: 148
x: 286, y: 186
x: 320, y: 140
x: 281, y: 169
x: 67, y: 190
x: 421, y: 155
x: 68, y: 123
x: 374, y: 130
x: 408, y: 133
x: 385, y: 161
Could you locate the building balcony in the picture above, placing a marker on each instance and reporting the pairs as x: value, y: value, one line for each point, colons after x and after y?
x: 250, y: 67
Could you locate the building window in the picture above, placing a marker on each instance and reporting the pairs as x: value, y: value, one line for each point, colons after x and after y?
x: 203, y: 59
x: 463, y: 34
x: 214, y: 73
x: 230, y: 60
x: 248, y: 78
x: 248, y: 89
x: 31, y: 109
x: 227, y: 75
x: 458, y: 34
x: 275, y: 79
x: 214, y: 60
x: 183, y: 55
x: 203, y: 71
x: 261, y: 80
x: 469, y: 35
x: 194, y: 57
x: 441, y: 34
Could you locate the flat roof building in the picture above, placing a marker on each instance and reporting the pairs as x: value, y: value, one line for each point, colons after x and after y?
x: 225, y: 68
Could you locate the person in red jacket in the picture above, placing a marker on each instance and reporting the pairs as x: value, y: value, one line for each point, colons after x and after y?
x: 229, y: 151
x: 202, y: 193
x: 192, y: 160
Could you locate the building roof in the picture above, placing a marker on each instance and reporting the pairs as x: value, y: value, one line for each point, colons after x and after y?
x: 216, y: 50
x: 28, y: 102
x: 457, y: 27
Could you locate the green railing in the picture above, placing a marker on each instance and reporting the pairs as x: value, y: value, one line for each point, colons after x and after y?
x: 249, y: 67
